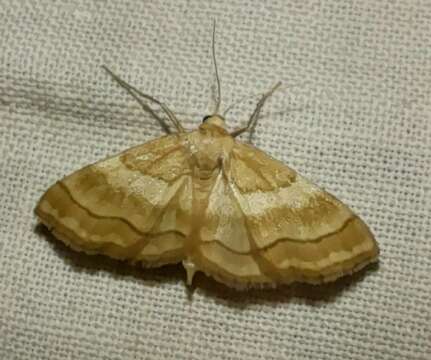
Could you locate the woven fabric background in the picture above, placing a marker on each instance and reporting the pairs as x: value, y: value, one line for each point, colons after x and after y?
x: 353, y: 115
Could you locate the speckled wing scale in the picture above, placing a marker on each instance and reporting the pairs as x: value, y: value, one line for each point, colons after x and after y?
x: 213, y: 203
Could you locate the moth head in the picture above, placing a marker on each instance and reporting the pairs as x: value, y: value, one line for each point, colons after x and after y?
x: 214, y: 120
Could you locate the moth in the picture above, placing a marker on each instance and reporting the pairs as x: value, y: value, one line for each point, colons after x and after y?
x: 211, y: 202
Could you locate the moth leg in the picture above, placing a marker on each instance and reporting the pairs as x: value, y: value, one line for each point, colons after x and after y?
x: 255, y: 115
x: 135, y: 92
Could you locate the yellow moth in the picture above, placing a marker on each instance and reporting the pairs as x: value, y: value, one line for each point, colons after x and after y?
x: 206, y: 200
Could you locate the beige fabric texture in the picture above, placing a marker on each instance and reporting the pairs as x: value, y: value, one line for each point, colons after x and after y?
x: 353, y: 115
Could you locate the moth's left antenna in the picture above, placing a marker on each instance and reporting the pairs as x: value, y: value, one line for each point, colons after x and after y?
x: 216, y: 72
x: 133, y: 91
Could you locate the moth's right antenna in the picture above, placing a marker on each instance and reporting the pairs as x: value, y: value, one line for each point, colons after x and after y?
x: 216, y: 72
x: 244, y: 98
x: 253, y: 118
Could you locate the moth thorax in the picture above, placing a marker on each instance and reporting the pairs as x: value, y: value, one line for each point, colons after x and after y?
x: 209, y: 162
x: 206, y: 174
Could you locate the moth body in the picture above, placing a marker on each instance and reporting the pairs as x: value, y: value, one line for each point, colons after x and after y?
x: 216, y: 205
x: 206, y: 200
x: 210, y: 146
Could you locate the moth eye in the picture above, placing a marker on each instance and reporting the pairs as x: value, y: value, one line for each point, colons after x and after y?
x: 206, y: 118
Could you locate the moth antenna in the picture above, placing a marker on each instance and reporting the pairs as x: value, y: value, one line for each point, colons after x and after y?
x: 216, y: 72
x: 255, y: 115
x: 231, y: 106
x: 133, y: 91
x: 242, y: 99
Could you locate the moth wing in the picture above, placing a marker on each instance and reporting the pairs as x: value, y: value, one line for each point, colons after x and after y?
x: 267, y: 224
x: 134, y: 206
